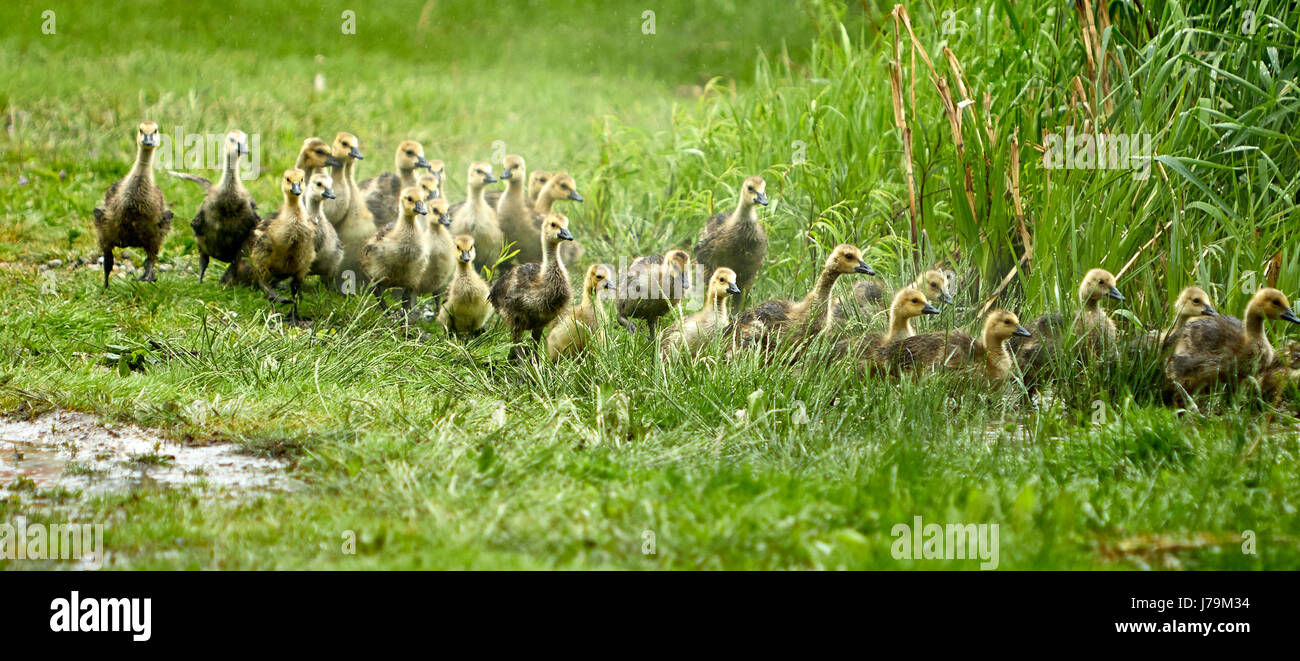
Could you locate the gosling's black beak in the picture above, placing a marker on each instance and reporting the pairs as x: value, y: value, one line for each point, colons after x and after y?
x: 1114, y: 293
x: 609, y: 284
x: 420, y: 208
x: 732, y: 288
x: 429, y: 195
x: 332, y: 162
x: 465, y: 256
x: 573, y: 195
x: 761, y: 198
x: 150, y: 140
x: 1288, y: 315
x: 356, y: 154
x: 1022, y: 331
x: 863, y: 268
x: 564, y: 234
x: 329, y: 194
x: 489, y: 179
x: 506, y: 174
x: 929, y: 309
x: 445, y: 219
x: 946, y: 298
x: 1209, y: 311
x: 243, y: 149
x: 421, y: 163
x: 295, y: 188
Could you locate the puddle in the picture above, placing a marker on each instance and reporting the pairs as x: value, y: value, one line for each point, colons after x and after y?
x: 77, y: 452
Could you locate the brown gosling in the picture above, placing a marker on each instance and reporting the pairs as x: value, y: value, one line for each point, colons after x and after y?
x: 513, y: 213
x: 941, y: 350
x: 380, y: 193
x: 441, y: 247
x: 573, y: 331
x: 134, y: 213
x: 465, y: 309
x: 908, y: 304
x: 473, y: 216
x: 530, y: 296
x: 695, y: 330
x: 329, y: 250
x: 396, y: 255
x: 559, y: 187
x: 314, y: 156
x: 736, y: 240
x: 801, y: 319
x: 1192, y: 303
x: 870, y: 294
x: 1090, y: 322
x: 228, y: 214
x: 284, y: 244
x: 1221, y: 349
x: 651, y: 287
x: 348, y: 213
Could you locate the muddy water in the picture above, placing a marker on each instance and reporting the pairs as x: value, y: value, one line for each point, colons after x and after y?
x: 79, y: 452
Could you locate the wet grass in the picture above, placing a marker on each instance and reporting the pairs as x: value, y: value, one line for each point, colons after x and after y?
x: 428, y: 453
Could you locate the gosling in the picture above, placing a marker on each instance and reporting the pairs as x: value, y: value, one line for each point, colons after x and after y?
x: 1221, y: 349
x: 531, y: 295
x: 134, y: 213
x: 573, y: 332
x: 736, y: 240
x: 441, y: 247
x: 380, y: 193
x: 474, y: 217
x: 396, y: 255
x: 908, y: 304
x: 801, y: 319
x: 513, y: 213
x: 696, y: 330
x: 228, y: 214
x: 652, y: 286
x: 466, y: 308
x: 941, y: 350
x: 329, y: 250
x: 284, y: 244
x: 348, y: 213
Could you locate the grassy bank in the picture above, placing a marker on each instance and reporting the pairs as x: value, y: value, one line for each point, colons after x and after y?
x: 438, y: 454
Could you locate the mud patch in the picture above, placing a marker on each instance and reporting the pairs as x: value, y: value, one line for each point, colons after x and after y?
x: 78, y: 452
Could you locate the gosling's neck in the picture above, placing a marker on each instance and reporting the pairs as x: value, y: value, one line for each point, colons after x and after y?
x: 1255, y: 326
x: 143, y: 168
x: 464, y: 269
x: 899, y: 326
x: 744, y: 213
x: 478, y: 193
x: 717, y: 302
x: 293, y: 204
x: 551, y: 256
x: 513, y: 199
x: 822, y: 291
x: 407, y: 175
x: 230, y: 174
x: 544, y: 204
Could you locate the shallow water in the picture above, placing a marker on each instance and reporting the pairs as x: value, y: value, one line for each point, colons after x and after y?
x: 77, y: 451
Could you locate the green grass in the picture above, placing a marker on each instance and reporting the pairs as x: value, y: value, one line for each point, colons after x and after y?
x: 397, y: 440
